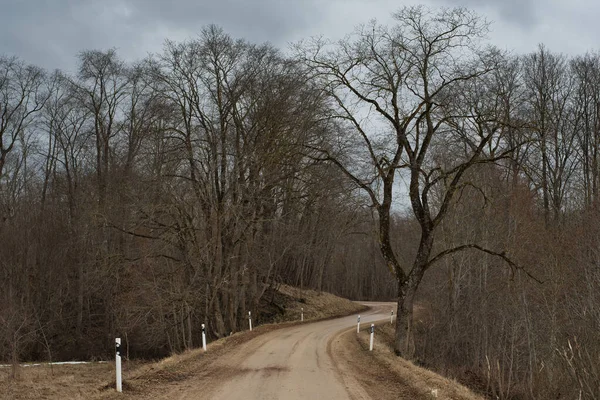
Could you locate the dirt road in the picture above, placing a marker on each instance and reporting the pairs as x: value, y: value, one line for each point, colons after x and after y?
x: 290, y: 363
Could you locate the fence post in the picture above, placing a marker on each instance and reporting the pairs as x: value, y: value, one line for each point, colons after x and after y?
x: 118, y: 364
x: 250, y: 319
x: 372, y: 333
x: 358, y: 324
x: 302, y: 314
x: 203, y: 337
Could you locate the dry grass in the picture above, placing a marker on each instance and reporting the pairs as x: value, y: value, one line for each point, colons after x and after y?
x: 58, y: 381
x: 415, y: 382
x: 317, y: 305
x: 96, y: 381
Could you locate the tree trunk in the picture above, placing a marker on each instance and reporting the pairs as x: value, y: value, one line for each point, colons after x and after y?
x: 15, y: 357
x: 404, y: 343
x: 219, y: 323
x: 385, y: 245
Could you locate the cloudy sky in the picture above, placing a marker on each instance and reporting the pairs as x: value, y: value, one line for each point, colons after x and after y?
x: 49, y: 33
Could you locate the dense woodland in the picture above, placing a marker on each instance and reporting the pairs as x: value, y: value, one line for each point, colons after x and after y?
x: 414, y: 162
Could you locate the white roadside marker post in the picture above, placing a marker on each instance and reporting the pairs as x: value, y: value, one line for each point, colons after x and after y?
x: 372, y: 332
x: 392, y: 317
x: 250, y: 319
x: 203, y: 337
x: 118, y: 364
x: 358, y: 324
x: 302, y: 314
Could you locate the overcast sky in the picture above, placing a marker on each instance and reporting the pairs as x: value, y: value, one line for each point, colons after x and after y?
x: 49, y: 33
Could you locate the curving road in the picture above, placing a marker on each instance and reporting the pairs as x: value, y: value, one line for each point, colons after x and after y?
x: 289, y: 363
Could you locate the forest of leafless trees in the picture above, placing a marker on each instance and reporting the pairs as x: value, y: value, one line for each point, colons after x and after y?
x: 413, y: 162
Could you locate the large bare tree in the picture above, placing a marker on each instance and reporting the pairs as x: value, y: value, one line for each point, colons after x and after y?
x: 397, y: 96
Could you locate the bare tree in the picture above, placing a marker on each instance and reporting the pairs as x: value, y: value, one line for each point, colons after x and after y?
x: 397, y: 94
x: 102, y: 87
x: 586, y: 74
x: 549, y: 86
x: 22, y: 95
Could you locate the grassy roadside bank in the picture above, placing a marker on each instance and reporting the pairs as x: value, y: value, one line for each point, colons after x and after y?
x: 386, y: 376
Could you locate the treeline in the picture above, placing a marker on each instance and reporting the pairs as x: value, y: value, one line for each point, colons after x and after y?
x: 530, y: 333
x: 143, y: 199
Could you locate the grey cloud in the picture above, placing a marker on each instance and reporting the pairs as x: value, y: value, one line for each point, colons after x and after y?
x: 265, y: 20
x: 520, y: 12
x: 51, y: 33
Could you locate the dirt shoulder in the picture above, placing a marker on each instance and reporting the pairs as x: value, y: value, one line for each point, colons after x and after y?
x: 385, y: 376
